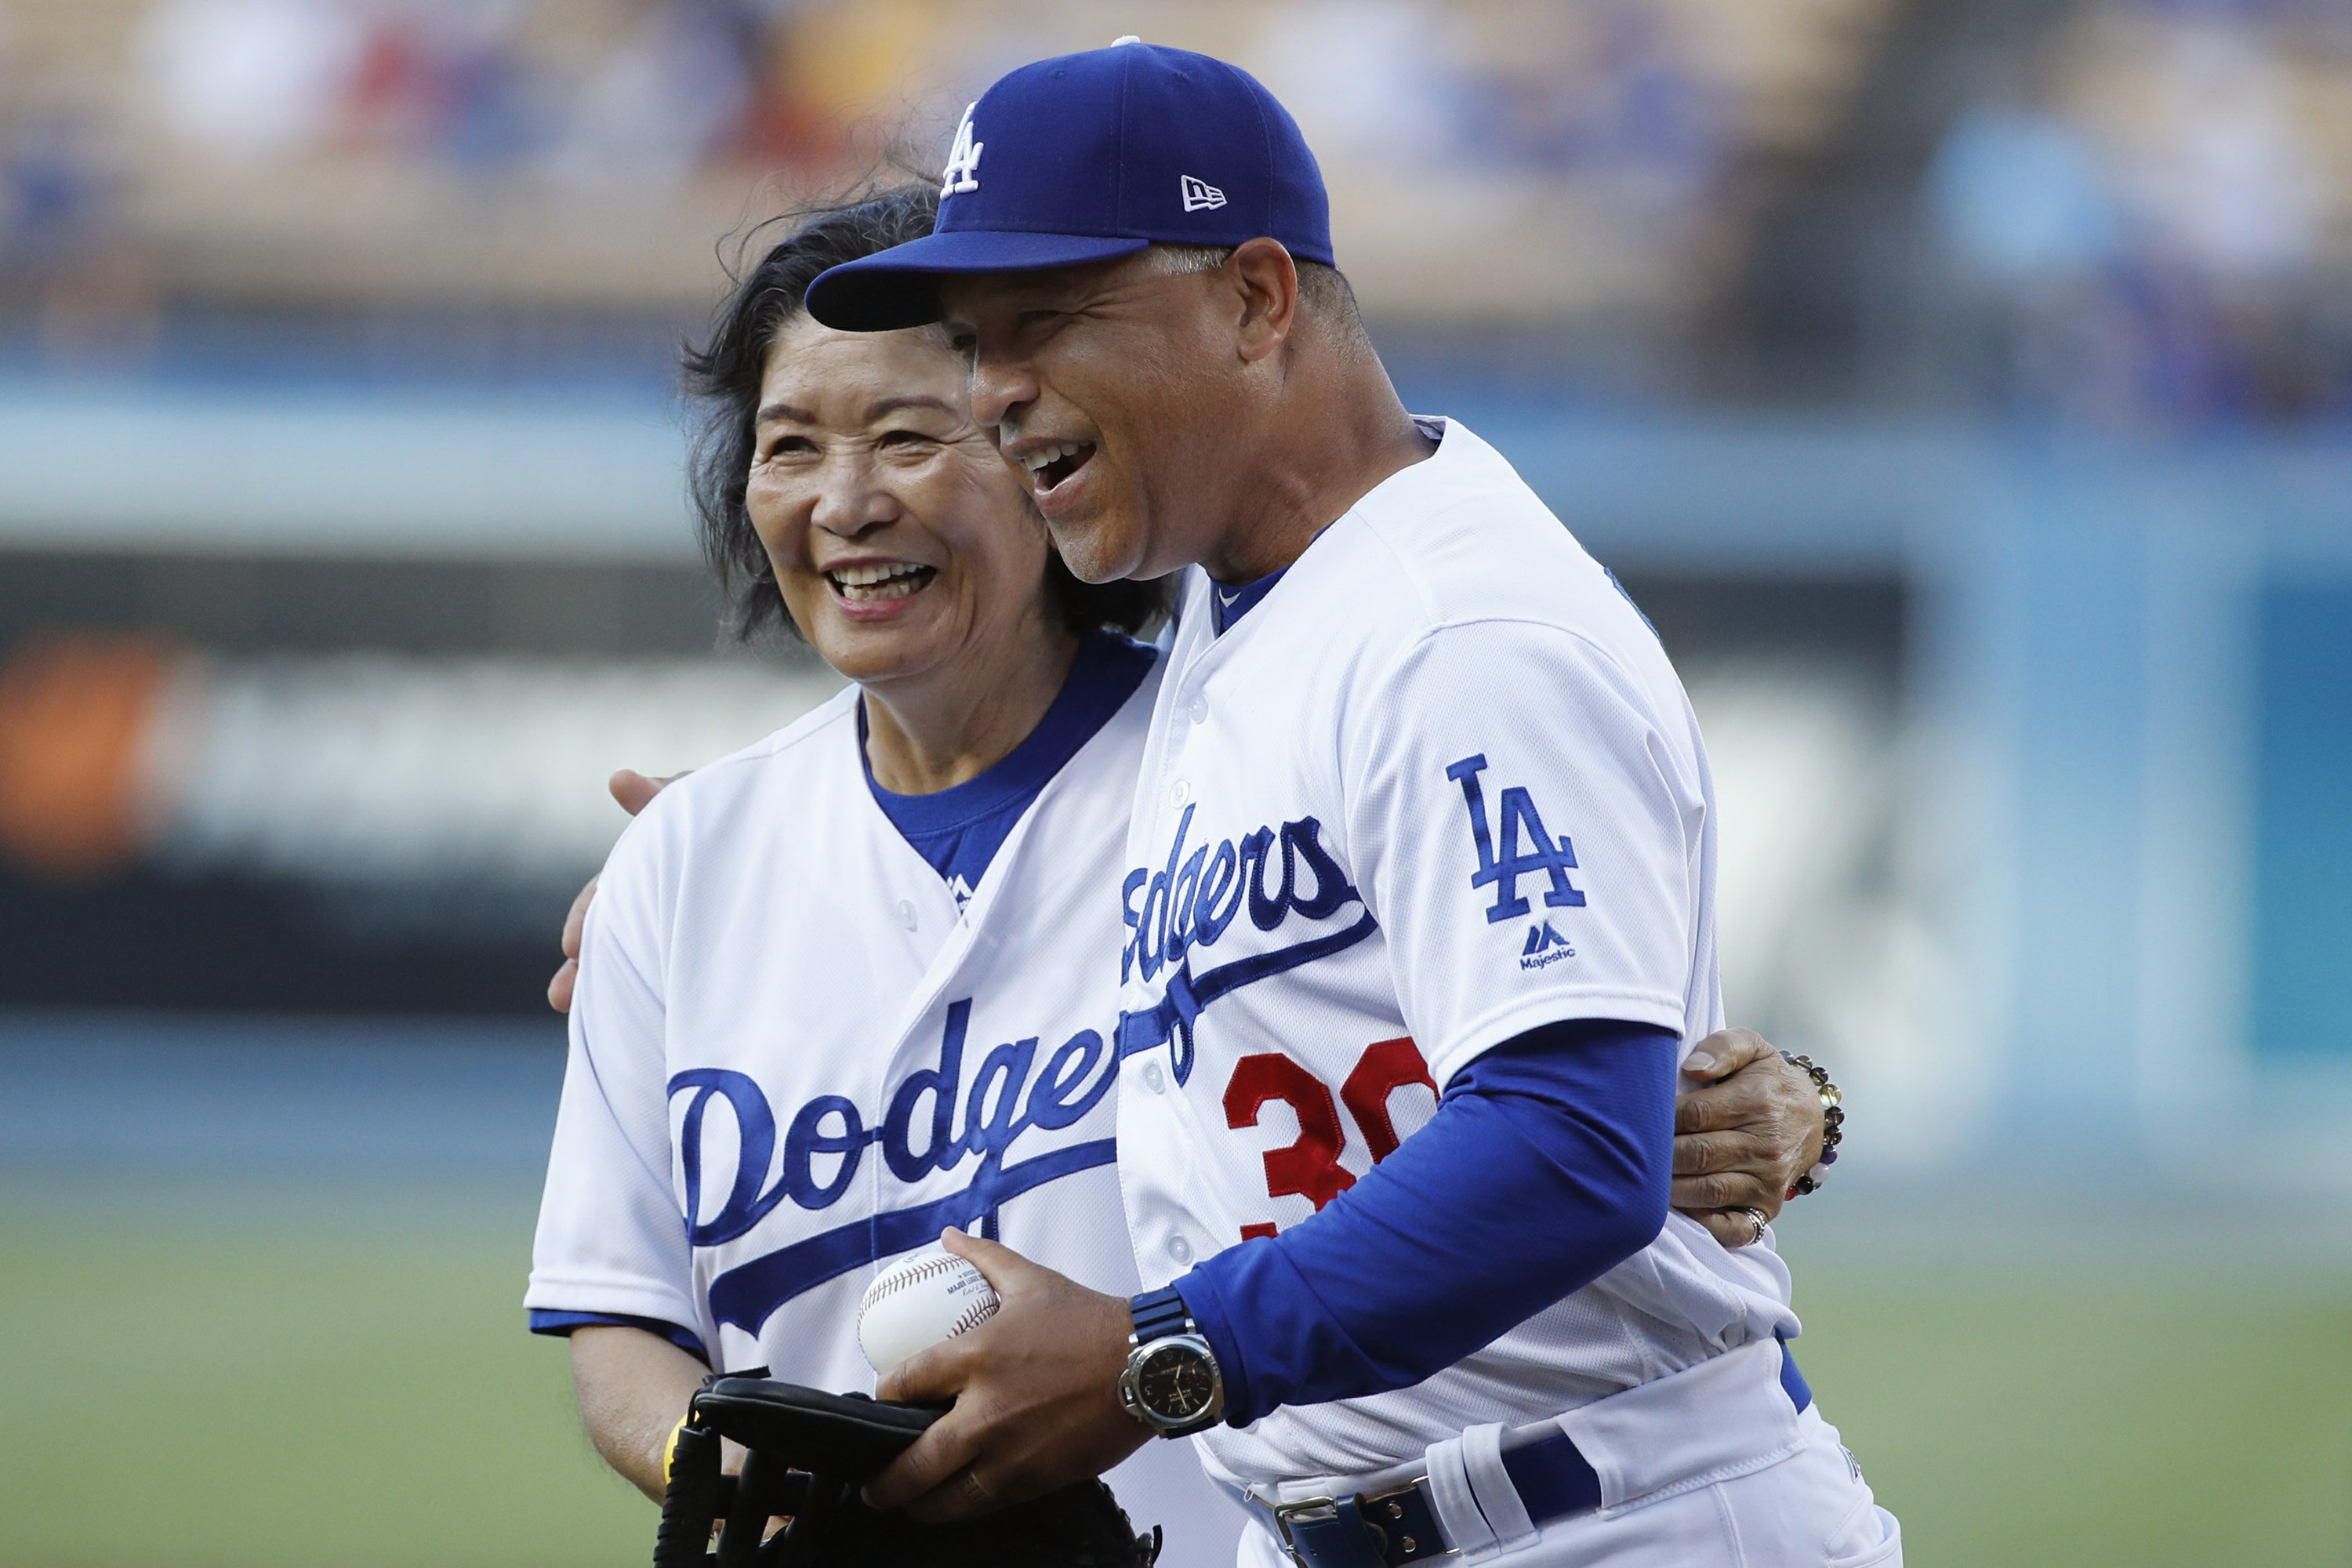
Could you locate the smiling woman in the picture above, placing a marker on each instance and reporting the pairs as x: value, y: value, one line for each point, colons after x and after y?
x: 882, y: 910
x: 900, y: 546
x: 728, y: 376
x: 840, y: 477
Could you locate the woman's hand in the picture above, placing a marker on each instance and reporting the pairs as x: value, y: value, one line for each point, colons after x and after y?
x: 633, y: 790
x: 1743, y: 1139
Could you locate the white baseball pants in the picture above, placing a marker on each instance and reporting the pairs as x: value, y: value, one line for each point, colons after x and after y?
x: 1714, y: 1474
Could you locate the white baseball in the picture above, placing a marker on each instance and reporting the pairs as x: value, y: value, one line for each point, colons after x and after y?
x: 919, y: 1301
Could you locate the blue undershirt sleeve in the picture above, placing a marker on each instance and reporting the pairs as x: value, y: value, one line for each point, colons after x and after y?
x: 1437, y: 1251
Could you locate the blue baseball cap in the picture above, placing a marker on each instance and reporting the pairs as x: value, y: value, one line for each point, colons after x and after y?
x: 1092, y: 156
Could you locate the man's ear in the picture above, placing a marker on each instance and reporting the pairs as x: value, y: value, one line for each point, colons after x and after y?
x: 1267, y: 280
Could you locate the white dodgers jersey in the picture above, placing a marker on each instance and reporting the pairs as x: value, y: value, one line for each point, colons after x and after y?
x: 793, y: 1058
x: 1441, y: 786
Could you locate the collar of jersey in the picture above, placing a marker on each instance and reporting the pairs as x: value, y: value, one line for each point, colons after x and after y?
x: 1228, y: 604
x: 1107, y: 669
x: 1412, y: 490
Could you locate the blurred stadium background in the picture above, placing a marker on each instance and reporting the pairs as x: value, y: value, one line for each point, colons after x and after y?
x: 1962, y: 388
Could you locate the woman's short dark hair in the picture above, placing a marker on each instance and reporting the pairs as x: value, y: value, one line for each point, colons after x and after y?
x: 721, y: 379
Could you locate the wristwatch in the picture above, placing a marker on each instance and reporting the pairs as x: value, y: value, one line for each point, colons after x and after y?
x: 1170, y: 1383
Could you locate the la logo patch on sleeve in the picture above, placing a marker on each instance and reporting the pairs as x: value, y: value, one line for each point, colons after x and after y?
x: 1526, y: 849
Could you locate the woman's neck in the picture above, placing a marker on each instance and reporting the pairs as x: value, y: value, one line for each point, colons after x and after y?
x: 928, y: 734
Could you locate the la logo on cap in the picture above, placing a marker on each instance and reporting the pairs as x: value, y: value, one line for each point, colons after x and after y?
x: 1199, y: 194
x: 963, y: 161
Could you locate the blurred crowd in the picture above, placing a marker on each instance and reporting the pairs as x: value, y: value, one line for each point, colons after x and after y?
x: 678, y: 83
x: 2146, y: 216
x: 2153, y: 217
x: 249, y: 148
x: 103, y: 117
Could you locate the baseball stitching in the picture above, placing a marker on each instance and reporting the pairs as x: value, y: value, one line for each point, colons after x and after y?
x: 882, y: 1289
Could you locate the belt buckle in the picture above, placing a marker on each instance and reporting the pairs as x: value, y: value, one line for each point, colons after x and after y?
x: 1283, y: 1512
x: 1379, y: 1523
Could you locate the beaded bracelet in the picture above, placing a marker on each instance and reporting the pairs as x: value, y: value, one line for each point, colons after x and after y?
x: 1832, y: 1125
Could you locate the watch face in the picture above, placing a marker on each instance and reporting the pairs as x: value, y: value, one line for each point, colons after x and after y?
x: 1175, y: 1382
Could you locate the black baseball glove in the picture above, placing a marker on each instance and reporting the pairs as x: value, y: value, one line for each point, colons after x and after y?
x: 807, y: 1454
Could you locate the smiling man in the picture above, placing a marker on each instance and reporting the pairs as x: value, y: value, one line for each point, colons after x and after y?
x: 1414, y: 734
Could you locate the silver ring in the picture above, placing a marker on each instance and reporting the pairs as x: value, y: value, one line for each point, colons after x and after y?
x: 976, y: 1492
x: 1756, y: 1217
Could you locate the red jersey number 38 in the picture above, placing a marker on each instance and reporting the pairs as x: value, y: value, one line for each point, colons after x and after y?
x: 1309, y: 1166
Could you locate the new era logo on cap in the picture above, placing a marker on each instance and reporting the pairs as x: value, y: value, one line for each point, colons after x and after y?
x: 1082, y: 150
x: 1199, y: 194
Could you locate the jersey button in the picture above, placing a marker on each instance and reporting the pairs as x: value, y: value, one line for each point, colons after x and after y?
x: 906, y: 912
x: 1178, y: 793
x: 1179, y: 1249
x: 1200, y: 707
x: 1153, y: 1079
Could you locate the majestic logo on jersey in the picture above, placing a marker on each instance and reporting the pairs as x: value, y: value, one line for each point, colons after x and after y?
x: 1188, y: 904
x: 962, y: 172
x: 930, y: 1123
x: 1199, y: 194
x: 1527, y: 849
x: 1542, y: 939
x: 1544, y: 946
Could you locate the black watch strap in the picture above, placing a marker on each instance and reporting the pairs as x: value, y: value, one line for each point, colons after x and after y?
x: 1158, y: 1314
